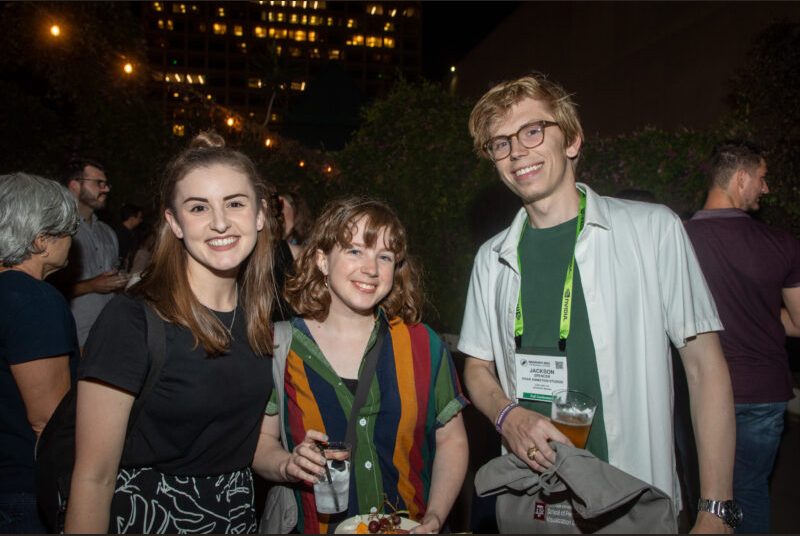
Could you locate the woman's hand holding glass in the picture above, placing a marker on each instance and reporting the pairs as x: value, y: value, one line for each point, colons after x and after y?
x: 306, y: 462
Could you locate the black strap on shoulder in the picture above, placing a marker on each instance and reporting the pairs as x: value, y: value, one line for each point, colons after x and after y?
x: 364, y: 383
x: 157, y: 353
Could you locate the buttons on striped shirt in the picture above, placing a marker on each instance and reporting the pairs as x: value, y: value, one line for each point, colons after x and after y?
x: 368, y: 465
x: 362, y: 421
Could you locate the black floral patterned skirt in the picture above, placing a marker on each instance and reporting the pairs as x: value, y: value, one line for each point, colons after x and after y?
x: 147, y: 501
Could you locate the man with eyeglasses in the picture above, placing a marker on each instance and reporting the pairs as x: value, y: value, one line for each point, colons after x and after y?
x: 92, y: 275
x: 585, y: 292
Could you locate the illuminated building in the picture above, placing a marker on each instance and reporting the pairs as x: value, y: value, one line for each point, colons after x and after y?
x: 252, y: 57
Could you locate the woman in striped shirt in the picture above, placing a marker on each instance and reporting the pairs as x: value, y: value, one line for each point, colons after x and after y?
x: 410, y: 444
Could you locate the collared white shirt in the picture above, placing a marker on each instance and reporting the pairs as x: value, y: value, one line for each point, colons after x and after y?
x: 643, y: 287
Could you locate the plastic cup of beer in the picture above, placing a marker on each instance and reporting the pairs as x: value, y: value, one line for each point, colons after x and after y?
x: 333, y: 489
x: 572, y: 413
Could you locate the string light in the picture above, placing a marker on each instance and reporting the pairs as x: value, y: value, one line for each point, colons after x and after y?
x: 55, y: 30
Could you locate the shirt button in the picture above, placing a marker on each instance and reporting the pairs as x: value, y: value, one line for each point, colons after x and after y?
x: 368, y: 464
x: 362, y: 421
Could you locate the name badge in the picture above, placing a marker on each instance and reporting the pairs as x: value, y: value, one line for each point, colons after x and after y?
x: 538, y: 376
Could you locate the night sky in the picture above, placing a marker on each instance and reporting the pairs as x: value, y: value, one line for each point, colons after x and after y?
x: 451, y: 29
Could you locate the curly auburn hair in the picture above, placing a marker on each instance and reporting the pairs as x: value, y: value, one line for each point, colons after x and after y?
x: 306, y: 291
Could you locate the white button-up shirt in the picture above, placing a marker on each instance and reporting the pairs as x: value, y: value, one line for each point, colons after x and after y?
x: 643, y: 287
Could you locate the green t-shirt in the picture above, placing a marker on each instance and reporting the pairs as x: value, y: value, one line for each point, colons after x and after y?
x: 544, y: 257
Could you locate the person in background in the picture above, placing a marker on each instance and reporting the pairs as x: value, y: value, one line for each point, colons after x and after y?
x: 753, y: 271
x: 354, y: 280
x: 38, y: 344
x: 93, y: 275
x: 297, y: 220
x: 594, y: 288
x: 131, y: 217
x: 187, y: 466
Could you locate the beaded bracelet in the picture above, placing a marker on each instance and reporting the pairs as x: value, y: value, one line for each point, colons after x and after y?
x: 501, y: 417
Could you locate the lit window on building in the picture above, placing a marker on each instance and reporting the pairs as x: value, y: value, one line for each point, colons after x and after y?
x: 356, y: 41
x: 157, y: 6
x: 295, y: 52
x: 388, y: 27
x: 278, y: 33
x: 388, y: 42
x: 170, y: 26
x: 314, y: 52
x: 312, y: 36
x: 409, y: 12
x: 393, y: 13
x: 279, y: 51
x: 271, y: 16
x: 238, y: 31
x: 179, y: 8
x: 280, y: 17
x: 243, y: 46
x: 313, y: 20
x: 351, y: 23
x: 176, y: 95
x: 260, y: 31
x: 374, y: 41
x: 334, y: 54
x: 375, y: 9
x: 194, y: 8
x: 220, y: 28
x: 304, y: 20
x: 330, y: 21
x: 299, y: 35
x: 293, y: 18
x: 178, y: 129
x: 274, y: 118
x: 263, y: 15
x: 255, y: 83
x: 221, y: 11
x: 160, y: 24
x: 298, y: 86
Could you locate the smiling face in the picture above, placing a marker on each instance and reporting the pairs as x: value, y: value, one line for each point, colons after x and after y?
x: 538, y: 173
x: 217, y: 215
x: 359, y: 277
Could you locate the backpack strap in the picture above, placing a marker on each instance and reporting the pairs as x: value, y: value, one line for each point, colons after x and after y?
x: 157, y: 354
x: 364, y: 384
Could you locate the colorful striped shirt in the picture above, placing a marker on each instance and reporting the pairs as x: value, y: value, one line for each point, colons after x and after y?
x: 414, y: 392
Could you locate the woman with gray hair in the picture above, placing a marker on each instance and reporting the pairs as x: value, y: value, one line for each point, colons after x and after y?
x: 38, y: 343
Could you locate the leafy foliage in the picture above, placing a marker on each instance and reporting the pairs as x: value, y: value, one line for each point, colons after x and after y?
x: 413, y: 151
x: 766, y: 109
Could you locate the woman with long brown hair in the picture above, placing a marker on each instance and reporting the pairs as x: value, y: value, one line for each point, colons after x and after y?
x: 185, y: 466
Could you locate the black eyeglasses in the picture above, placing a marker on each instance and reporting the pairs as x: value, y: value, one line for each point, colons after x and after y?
x: 530, y: 136
x: 100, y: 183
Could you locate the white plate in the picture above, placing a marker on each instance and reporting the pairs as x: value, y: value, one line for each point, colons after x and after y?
x: 348, y: 526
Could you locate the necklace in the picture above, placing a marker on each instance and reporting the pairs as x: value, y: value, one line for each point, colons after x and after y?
x: 233, y: 318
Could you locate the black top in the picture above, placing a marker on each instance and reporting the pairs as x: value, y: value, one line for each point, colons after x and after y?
x: 35, y: 323
x: 204, y: 414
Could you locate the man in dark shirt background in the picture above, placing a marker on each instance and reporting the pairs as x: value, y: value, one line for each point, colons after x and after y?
x: 753, y: 271
x: 131, y: 217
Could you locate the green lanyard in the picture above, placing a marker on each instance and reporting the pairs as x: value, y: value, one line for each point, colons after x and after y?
x: 566, y: 301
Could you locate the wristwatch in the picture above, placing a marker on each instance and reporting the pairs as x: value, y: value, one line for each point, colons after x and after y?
x: 728, y: 511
